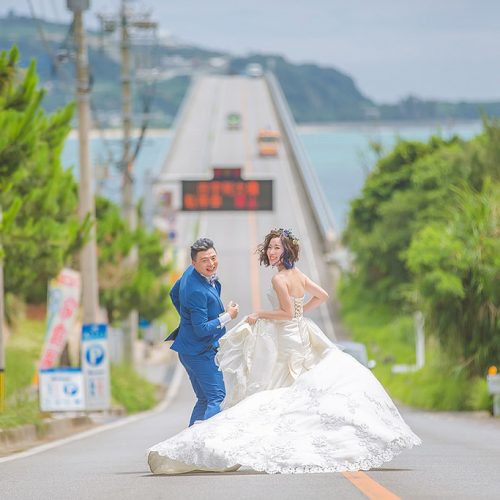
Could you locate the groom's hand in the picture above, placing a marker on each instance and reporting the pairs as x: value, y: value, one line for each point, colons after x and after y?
x: 233, y: 309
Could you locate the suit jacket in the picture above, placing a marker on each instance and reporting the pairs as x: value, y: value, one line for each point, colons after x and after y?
x: 199, y: 306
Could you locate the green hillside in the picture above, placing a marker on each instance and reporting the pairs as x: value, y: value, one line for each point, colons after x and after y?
x: 314, y: 93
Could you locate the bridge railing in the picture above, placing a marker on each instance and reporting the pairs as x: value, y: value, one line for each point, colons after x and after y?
x: 321, y: 209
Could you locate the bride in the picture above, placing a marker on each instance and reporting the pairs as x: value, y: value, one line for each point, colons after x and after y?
x: 294, y: 402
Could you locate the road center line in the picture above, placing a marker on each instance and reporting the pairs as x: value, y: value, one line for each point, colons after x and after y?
x: 369, y: 487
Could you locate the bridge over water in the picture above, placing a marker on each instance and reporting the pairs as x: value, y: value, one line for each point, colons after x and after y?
x: 203, y: 141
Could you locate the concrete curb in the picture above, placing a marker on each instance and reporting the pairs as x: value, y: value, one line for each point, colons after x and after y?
x: 17, y: 437
x: 25, y: 436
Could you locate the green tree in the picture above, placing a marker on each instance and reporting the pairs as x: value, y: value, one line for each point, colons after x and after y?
x: 456, y: 271
x: 382, y: 220
x: 122, y: 289
x: 410, y: 187
x: 34, y: 186
x: 425, y: 236
x: 151, y: 291
x: 114, y: 241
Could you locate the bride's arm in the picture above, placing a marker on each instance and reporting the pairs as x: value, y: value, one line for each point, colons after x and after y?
x: 285, y: 311
x: 318, y: 294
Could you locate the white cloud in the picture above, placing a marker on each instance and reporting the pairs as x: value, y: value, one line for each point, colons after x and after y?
x: 446, y: 49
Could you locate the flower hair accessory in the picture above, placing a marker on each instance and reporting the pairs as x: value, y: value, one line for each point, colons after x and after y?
x: 288, y: 233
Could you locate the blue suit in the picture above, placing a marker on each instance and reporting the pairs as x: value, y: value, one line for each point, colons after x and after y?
x: 196, y: 339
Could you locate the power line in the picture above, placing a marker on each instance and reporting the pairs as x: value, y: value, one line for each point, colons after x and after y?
x: 136, y: 23
x: 56, y: 58
x: 39, y: 27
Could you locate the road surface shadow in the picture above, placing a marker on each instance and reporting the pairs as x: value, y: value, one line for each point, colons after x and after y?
x: 389, y: 470
x: 201, y: 473
x: 245, y: 472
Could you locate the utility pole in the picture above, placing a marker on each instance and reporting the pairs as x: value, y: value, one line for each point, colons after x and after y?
x: 88, y: 256
x: 129, y: 208
x: 127, y: 23
x: 2, y: 317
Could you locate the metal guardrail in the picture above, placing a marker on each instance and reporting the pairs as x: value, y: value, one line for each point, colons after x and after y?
x: 321, y: 209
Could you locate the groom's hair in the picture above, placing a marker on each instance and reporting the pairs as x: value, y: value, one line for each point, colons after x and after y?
x: 201, y: 245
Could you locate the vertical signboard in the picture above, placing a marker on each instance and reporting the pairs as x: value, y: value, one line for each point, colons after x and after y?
x: 61, y: 389
x: 62, y: 307
x: 95, y: 366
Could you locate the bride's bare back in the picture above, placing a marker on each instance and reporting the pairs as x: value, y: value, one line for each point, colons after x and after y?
x: 293, y: 283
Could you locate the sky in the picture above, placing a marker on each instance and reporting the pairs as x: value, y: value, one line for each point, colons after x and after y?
x: 433, y: 49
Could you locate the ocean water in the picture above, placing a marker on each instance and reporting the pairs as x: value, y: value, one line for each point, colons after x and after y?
x: 342, y: 157
x: 107, y: 151
x: 340, y: 154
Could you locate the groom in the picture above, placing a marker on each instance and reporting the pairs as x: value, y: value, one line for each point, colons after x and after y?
x: 196, y: 296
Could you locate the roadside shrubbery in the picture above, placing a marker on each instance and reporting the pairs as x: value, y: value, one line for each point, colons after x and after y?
x: 389, y: 335
x: 426, y: 236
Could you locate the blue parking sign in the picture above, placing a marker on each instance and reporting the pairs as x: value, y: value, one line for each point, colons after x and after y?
x: 95, y: 366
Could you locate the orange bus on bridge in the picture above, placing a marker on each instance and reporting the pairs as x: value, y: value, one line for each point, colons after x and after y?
x: 268, y: 141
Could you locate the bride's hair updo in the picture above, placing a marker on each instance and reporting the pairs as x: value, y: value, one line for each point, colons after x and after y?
x: 290, y: 247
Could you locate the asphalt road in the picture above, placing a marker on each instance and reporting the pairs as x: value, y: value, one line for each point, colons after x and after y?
x: 459, y: 459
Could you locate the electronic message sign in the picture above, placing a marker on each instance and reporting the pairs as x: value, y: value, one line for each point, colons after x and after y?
x: 227, y: 191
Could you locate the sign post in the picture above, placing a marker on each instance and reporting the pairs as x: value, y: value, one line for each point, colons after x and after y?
x: 95, y: 366
x: 493, y: 380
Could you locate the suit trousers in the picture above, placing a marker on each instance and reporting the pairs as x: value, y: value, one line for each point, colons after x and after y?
x: 207, y: 382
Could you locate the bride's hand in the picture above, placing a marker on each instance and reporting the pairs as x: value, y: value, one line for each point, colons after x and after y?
x: 252, y: 318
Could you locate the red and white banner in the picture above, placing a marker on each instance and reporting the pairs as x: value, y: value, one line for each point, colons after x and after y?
x: 62, y: 309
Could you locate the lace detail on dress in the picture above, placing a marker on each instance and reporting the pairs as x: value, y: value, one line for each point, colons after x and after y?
x: 335, y: 417
x: 298, y: 307
x: 271, y: 437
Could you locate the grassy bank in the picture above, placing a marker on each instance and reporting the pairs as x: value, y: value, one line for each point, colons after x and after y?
x: 130, y: 390
x: 390, y: 339
x: 22, y: 354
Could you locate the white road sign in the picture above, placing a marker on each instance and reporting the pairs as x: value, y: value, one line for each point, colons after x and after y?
x: 95, y: 366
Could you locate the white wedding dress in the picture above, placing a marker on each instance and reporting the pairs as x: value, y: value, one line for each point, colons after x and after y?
x: 295, y: 403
